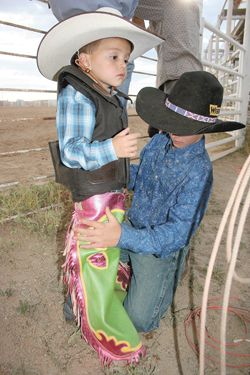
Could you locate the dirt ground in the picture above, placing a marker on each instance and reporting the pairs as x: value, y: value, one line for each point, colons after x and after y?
x: 36, y: 340
x: 27, y: 128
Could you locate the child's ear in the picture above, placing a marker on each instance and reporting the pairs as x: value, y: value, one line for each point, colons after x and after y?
x: 84, y: 60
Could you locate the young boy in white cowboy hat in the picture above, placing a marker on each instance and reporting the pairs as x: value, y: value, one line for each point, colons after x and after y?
x: 171, y: 185
x: 87, y: 54
x: 63, y: 9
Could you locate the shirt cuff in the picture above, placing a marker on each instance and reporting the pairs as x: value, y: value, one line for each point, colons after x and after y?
x: 123, y: 241
x: 135, y: 240
x: 106, y: 152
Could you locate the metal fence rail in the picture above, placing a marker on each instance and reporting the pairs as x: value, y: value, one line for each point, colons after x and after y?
x: 228, y: 59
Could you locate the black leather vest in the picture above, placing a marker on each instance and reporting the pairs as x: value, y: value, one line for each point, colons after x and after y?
x: 111, y: 118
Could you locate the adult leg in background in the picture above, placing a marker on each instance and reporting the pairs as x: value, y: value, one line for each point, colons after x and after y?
x: 179, y: 23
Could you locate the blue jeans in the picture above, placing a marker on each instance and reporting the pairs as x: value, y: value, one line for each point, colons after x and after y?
x: 152, y: 287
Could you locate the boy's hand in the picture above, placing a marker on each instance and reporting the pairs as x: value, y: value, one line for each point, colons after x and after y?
x: 99, y: 234
x: 125, y: 144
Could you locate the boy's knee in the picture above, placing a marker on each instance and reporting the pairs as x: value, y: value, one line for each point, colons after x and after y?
x: 143, y: 324
x: 143, y: 321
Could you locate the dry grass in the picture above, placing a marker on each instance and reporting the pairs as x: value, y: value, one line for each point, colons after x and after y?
x: 38, y: 208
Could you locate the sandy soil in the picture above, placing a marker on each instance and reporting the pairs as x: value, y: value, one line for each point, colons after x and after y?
x: 35, y: 339
x: 22, y: 129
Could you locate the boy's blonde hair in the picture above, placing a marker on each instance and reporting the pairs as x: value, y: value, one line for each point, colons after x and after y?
x: 90, y: 47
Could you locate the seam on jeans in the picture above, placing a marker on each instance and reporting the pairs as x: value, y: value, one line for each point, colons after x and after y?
x: 160, y: 300
x: 155, y: 323
x: 163, y: 291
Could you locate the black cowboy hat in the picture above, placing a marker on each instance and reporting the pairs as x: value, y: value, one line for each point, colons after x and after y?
x: 191, y: 108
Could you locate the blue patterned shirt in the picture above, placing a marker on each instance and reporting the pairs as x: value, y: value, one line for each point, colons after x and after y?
x: 75, y: 121
x: 171, y: 191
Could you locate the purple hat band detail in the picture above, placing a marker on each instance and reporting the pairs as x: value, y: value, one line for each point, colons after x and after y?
x: 191, y: 115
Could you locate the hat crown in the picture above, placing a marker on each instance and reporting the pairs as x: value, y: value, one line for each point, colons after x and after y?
x: 65, y: 38
x: 191, y: 108
x: 198, y: 92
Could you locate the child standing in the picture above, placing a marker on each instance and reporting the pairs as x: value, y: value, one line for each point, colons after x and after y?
x: 95, y: 146
x: 171, y: 188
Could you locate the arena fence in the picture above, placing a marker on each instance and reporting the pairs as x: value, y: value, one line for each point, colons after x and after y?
x: 225, y: 57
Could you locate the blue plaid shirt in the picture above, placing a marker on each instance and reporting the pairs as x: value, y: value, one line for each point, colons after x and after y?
x: 171, y: 191
x: 75, y: 121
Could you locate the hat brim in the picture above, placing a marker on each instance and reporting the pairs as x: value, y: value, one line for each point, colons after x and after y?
x: 65, y: 38
x: 150, y: 106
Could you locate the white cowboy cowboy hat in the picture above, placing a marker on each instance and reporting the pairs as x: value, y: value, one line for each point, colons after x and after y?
x: 65, y: 38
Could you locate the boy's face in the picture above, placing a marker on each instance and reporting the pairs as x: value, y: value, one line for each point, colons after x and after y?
x: 181, y: 141
x: 108, y: 61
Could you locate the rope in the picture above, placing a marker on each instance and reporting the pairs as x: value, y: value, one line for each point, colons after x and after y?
x: 232, y: 252
x: 243, y: 315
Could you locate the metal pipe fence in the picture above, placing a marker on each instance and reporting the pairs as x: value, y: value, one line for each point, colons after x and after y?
x: 227, y: 59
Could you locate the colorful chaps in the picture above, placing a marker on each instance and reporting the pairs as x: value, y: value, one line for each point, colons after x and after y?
x: 97, y: 285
